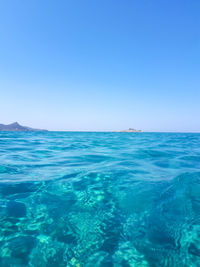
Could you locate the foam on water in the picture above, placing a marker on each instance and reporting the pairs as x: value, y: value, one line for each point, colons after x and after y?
x: 99, y: 199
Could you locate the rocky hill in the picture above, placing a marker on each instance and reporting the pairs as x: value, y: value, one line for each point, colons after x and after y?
x: 17, y: 128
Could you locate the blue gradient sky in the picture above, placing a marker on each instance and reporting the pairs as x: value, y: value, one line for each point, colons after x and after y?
x: 100, y: 65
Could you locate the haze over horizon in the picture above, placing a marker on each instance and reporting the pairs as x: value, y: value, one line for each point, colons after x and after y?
x: 100, y: 65
x: 119, y: 130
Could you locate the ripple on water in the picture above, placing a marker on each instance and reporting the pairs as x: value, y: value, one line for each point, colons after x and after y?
x: 103, y: 199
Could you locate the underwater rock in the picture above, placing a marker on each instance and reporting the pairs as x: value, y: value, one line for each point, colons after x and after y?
x: 17, y: 249
x: 48, y: 253
x: 19, y: 189
x: 21, y: 246
x: 193, y: 249
x: 127, y: 255
x: 97, y: 259
x: 16, y: 209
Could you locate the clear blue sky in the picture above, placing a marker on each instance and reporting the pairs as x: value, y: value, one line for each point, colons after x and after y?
x: 100, y: 64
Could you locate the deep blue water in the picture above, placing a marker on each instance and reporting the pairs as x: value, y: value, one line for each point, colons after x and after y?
x: 99, y: 199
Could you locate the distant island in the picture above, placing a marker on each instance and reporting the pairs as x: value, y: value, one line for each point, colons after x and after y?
x: 16, y: 127
x: 130, y: 130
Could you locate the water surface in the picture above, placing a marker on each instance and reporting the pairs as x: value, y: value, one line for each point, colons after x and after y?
x: 99, y: 199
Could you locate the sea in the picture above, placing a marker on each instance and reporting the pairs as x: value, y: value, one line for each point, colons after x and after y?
x: 99, y: 199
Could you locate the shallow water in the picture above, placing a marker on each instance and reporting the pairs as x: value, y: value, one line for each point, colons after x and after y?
x: 99, y: 199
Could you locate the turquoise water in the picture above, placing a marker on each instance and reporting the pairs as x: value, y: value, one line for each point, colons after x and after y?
x: 99, y: 199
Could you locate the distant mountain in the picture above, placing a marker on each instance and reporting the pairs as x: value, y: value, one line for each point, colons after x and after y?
x: 16, y: 127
